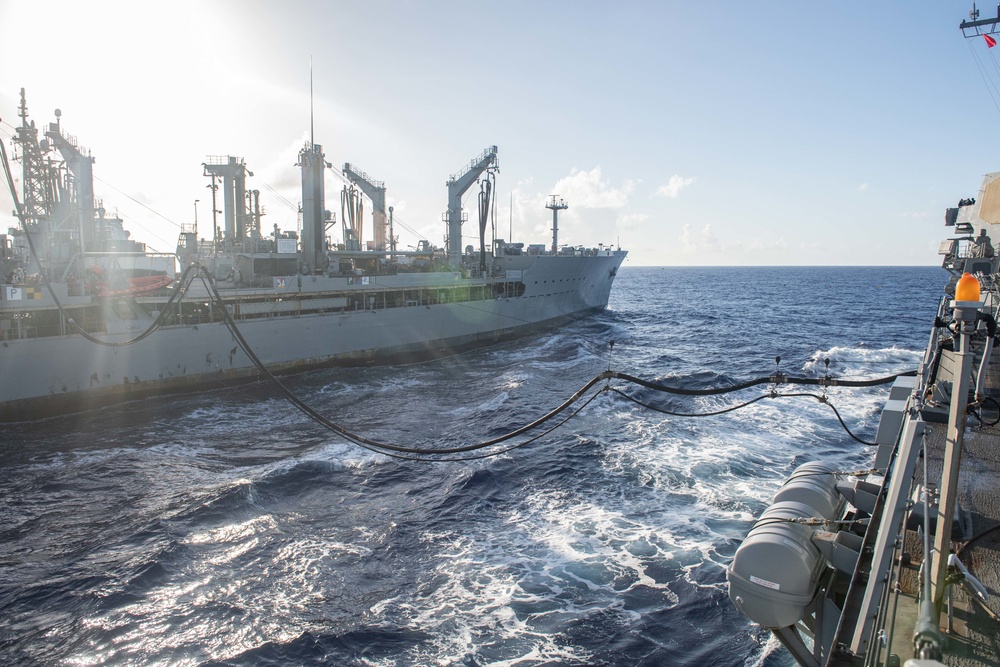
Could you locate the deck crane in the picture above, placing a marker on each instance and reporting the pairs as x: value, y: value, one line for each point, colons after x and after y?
x: 233, y: 172
x: 457, y: 185
x: 82, y: 168
x: 352, y: 211
x: 376, y: 192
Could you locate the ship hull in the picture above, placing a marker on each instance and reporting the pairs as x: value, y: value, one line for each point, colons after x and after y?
x: 61, y: 374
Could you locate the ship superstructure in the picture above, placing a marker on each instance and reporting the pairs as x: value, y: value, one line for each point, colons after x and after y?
x: 73, y: 282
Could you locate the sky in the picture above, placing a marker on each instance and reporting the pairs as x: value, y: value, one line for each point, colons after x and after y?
x: 690, y: 133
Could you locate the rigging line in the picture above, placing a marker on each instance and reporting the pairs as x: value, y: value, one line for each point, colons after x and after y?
x: 839, y: 473
x: 739, y: 406
x: 649, y: 406
x: 382, y: 447
x: 368, y: 443
x: 31, y: 245
x: 826, y: 401
x: 982, y: 73
x: 168, y: 306
x: 811, y: 521
x: 166, y: 311
x: 993, y: 58
x: 982, y: 68
x: 133, y: 222
x: 154, y: 212
x: 282, y: 198
x: 399, y: 221
x: 975, y: 538
x: 982, y: 605
x: 341, y: 174
x: 778, y: 378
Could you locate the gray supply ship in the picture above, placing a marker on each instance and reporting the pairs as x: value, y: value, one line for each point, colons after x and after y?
x: 900, y: 564
x: 89, y: 317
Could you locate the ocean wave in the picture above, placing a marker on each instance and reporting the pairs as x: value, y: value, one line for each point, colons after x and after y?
x: 861, y: 360
x: 226, y: 528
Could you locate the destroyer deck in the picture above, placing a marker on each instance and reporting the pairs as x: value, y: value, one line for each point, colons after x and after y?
x: 973, y: 636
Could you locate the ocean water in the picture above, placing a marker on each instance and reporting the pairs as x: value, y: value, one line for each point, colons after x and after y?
x: 224, y: 528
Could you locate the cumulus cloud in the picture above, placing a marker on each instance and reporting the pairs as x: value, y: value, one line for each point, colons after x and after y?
x: 632, y: 221
x: 673, y: 187
x: 281, y: 174
x: 705, y: 242
x: 692, y: 242
x: 586, y: 189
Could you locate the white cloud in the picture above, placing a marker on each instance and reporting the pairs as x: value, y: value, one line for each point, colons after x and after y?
x: 704, y: 242
x: 758, y: 245
x: 585, y: 189
x: 281, y: 172
x: 632, y: 221
x: 697, y: 243
x: 673, y: 187
x: 863, y: 187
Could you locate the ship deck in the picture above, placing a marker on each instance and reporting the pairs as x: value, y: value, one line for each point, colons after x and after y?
x: 972, y: 628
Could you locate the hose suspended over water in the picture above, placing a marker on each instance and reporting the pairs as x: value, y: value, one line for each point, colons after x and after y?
x: 351, y: 207
x: 422, y: 453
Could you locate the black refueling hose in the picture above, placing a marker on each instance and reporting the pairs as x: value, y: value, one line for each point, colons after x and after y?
x: 423, y: 454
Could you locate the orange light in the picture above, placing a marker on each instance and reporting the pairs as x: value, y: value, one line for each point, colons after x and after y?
x: 967, y: 288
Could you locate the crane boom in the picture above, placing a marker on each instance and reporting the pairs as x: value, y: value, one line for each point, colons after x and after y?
x: 233, y: 172
x: 457, y: 185
x: 376, y: 192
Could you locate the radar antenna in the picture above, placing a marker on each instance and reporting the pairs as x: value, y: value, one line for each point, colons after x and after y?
x: 980, y: 27
x: 556, y: 206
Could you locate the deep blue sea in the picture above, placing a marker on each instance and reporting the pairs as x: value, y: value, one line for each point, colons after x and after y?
x: 225, y: 528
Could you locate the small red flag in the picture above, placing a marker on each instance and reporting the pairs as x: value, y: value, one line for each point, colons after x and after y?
x: 990, y: 42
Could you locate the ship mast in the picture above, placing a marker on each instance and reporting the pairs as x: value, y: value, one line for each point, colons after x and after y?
x: 314, y: 214
x: 980, y: 27
x: 556, y: 206
x: 37, y: 196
